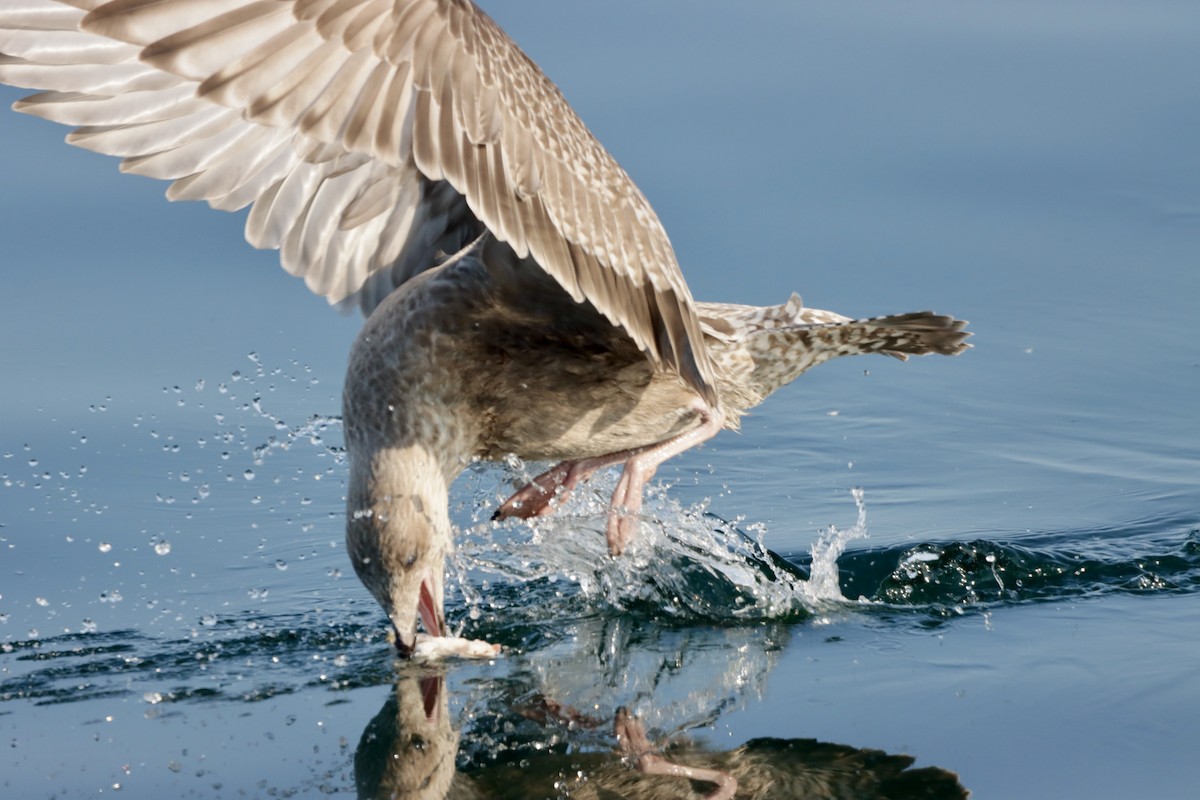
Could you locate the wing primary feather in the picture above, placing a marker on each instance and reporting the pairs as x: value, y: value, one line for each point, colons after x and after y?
x: 365, y: 25
x: 425, y: 43
x: 142, y: 22
x: 424, y: 141
x: 240, y: 82
x: 272, y: 172
x: 367, y: 135
x: 283, y: 104
x: 363, y: 120
x: 258, y: 220
x: 448, y: 139
x: 146, y: 138
x: 325, y: 118
x: 43, y: 17
x: 472, y: 156
x: 63, y: 47
x: 376, y: 198
x: 305, y: 10
x: 84, y: 78
x: 395, y: 120
x: 406, y: 23
x: 333, y: 19
x: 509, y: 218
x: 197, y: 153
x: 199, y: 51
x: 72, y: 108
x: 220, y: 178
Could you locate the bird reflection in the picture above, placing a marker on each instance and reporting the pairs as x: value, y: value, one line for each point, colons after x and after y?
x: 409, y: 748
x: 605, y: 713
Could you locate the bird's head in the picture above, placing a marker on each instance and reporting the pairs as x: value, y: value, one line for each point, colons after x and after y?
x: 398, y: 537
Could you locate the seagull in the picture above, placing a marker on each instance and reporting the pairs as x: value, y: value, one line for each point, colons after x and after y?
x: 407, y: 159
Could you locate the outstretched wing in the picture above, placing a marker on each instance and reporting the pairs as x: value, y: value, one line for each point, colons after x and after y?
x: 369, y: 137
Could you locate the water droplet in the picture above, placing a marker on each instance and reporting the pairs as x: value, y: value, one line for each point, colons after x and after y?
x: 162, y: 548
x: 281, y: 565
x: 41, y: 601
x: 248, y: 474
x: 208, y: 620
x: 88, y: 626
x: 105, y: 547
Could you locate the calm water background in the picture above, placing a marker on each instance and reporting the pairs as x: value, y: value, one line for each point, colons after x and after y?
x: 177, y: 616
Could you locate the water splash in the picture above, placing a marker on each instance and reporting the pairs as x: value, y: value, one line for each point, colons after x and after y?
x: 823, y: 581
x: 534, y: 587
x: 947, y: 579
x: 312, y: 431
x: 688, y: 565
x: 685, y: 564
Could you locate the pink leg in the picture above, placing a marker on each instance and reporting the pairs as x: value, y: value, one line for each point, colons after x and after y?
x: 533, y: 499
x: 631, y: 738
x: 641, y: 466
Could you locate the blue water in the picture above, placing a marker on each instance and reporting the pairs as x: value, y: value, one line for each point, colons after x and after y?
x: 1016, y: 601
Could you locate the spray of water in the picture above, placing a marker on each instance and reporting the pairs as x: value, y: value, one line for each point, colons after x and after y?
x: 685, y: 564
x: 823, y: 583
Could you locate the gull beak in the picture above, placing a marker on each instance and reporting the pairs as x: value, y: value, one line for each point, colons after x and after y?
x: 429, y: 607
x: 429, y: 611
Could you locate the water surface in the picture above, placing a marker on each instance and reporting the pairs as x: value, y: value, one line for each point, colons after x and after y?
x: 1014, y: 609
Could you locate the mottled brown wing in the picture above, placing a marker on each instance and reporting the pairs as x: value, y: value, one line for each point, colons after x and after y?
x: 370, y: 137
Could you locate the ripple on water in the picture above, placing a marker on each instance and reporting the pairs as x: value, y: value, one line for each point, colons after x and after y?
x: 943, y: 579
x: 531, y: 585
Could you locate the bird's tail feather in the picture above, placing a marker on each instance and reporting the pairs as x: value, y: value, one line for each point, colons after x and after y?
x: 902, y: 335
x: 759, y: 350
x: 798, y: 348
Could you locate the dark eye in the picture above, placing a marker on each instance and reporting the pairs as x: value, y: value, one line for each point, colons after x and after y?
x: 418, y: 743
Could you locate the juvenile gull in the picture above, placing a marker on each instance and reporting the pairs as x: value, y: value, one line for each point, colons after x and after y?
x: 407, y: 158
